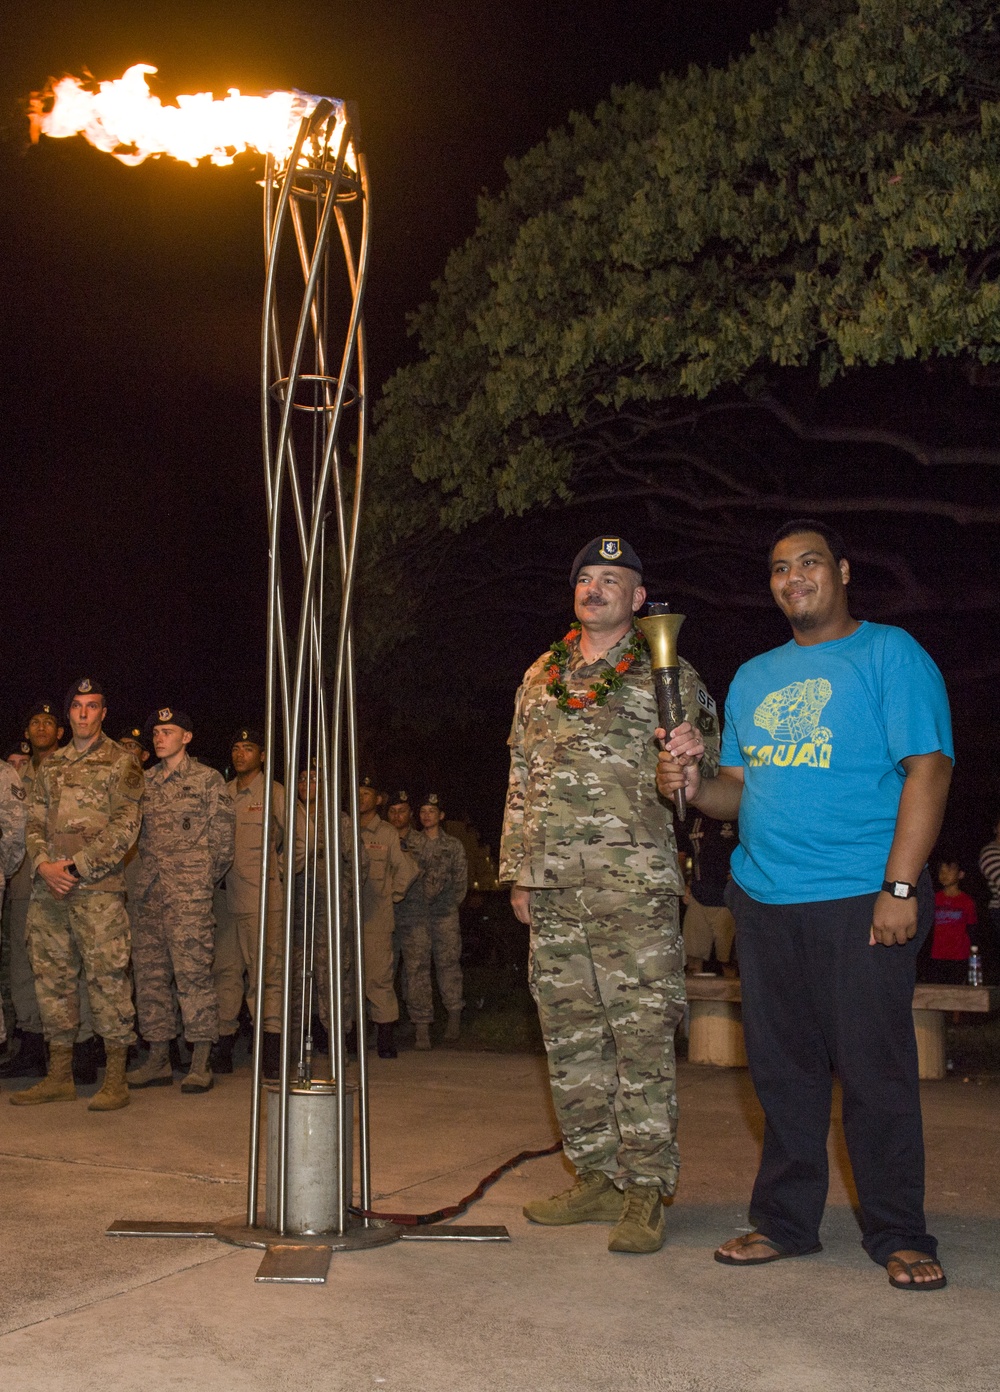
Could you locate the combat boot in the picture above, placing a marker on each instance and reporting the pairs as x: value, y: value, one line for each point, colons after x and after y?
x: 25, y: 1056
x: 592, y: 1199
x: 57, y: 1085
x: 199, y: 1078
x: 221, y: 1058
x: 156, y: 1071
x: 640, y: 1228
x: 454, y: 1026
x: 85, y: 1062
x: 423, y: 1037
x: 114, y: 1093
x: 385, y: 1039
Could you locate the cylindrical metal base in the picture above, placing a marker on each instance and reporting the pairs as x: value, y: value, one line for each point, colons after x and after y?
x: 313, y: 1169
x: 356, y: 1238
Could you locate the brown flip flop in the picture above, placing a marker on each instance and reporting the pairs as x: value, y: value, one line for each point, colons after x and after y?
x: 774, y: 1252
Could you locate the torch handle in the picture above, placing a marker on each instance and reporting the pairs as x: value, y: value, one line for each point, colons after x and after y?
x: 667, y: 683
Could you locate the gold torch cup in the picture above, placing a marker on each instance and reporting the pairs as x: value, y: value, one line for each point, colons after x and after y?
x: 660, y: 628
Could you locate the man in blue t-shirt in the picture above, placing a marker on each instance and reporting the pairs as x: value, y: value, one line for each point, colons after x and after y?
x: 836, y: 757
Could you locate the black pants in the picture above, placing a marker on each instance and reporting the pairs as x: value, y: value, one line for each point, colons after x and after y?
x: 818, y: 1000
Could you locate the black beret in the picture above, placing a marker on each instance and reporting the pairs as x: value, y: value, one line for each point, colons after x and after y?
x: 247, y: 734
x: 19, y: 747
x: 86, y: 686
x: 134, y: 733
x: 45, y: 706
x: 400, y: 799
x: 169, y: 715
x: 431, y: 800
x: 605, y: 551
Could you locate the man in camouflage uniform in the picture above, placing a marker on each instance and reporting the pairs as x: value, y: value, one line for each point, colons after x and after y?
x: 85, y: 813
x: 185, y: 848
x: 443, y: 885
x: 589, y: 847
x: 411, y: 936
x: 391, y: 872
x: 43, y: 731
x: 12, y: 816
x: 238, y: 929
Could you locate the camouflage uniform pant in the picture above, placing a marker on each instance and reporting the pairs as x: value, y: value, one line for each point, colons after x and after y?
x: 607, y: 975
x: 22, y: 978
x: 235, y: 970
x: 412, y: 943
x: 89, y: 926
x: 175, y: 941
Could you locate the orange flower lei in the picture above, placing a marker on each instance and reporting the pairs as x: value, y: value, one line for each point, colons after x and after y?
x: 600, y: 691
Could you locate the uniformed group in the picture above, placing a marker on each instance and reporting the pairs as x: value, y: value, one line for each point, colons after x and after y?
x: 133, y: 896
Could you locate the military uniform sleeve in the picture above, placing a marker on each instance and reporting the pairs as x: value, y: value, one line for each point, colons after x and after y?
x: 13, y: 814
x: 278, y: 834
x: 36, y: 844
x: 459, y: 872
x: 107, y: 850
x: 701, y: 712
x: 221, y: 827
x: 511, y: 840
x: 403, y: 869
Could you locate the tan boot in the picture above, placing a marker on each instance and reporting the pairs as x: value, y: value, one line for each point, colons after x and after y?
x: 423, y: 1037
x: 641, y: 1226
x: 199, y: 1078
x: 57, y: 1085
x: 592, y: 1199
x: 155, y: 1072
x: 114, y: 1093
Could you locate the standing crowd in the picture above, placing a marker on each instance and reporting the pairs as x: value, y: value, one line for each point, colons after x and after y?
x: 133, y: 898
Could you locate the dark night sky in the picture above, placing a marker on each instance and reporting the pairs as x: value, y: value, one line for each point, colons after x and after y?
x: 133, y: 495
x: 134, y: 532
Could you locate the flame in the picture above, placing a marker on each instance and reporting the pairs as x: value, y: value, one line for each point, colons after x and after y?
x: 124, y: 119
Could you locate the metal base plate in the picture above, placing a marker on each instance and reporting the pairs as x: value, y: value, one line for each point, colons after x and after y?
x: 128, y: 1227
x: 293, y: 1264
x: 356, y: 1238
x: 455, y: 1232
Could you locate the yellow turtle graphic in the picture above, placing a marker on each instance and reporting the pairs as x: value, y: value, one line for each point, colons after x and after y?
x: 793, y: 713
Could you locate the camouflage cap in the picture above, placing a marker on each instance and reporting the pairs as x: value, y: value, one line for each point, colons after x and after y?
x: 169, y: 715
x: 86, y: 686
x: 608, y: 551
x: 45, y: 706
x: 247, y: 734
x: 432, y: 800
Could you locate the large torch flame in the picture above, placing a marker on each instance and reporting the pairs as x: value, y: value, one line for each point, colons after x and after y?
x: 124, y: 119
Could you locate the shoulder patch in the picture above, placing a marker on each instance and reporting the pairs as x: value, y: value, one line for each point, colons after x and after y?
x: 705, y: 701
x: 133, y: 779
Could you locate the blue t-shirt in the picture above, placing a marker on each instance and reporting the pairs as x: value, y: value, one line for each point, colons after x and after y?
x: 821, y: 733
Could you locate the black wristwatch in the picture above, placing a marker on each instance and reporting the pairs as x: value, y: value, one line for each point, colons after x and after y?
x: 899, y: 889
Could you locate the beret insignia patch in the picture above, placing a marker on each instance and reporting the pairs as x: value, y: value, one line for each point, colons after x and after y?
x: 85, y: 686
x: 610, y: 548
x: 165, y: 715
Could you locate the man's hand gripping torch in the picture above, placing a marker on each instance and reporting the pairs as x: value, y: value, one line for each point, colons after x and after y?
x: 660, y: 628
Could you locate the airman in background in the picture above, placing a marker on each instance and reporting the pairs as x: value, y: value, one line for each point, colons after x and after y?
x: 85, y: 813
x: 237, y: 932
x: 18, y: 755
x: 391, y: 872
x: 185, y: 848
x: 412, y: 938
x: 443, y: 885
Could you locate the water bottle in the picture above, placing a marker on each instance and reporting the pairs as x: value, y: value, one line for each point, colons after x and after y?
x: 975, y: 977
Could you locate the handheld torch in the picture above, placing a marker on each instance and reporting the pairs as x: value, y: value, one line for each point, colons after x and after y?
x: 660, y: 628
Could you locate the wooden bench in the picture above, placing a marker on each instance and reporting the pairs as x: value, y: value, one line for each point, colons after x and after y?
x: 715, y: 1033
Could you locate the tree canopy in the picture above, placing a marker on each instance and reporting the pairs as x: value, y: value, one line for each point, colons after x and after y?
x: 747, y: 294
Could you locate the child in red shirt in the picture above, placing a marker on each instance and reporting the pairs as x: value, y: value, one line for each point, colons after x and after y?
x: 954, y: 915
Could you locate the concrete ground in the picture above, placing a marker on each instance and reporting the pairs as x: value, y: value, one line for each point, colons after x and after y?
x: 552, y: 1311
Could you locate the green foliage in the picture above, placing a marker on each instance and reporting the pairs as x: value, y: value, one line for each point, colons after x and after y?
x: 830, y: 200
